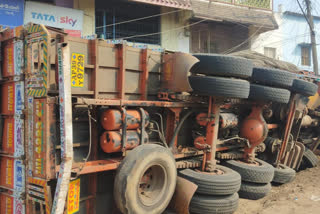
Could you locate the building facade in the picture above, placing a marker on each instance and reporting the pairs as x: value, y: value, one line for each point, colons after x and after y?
x: 215, y: 26
x: 291, y: 42
x: 220, y: 26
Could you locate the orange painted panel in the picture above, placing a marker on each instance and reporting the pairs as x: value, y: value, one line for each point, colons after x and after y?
x: 39, y: 136
x: 11, y: 205
x: 12, y: 174
x: 12, y: 138
x: 8, y: 59
x: 12, y: 98
x: 12, y: 58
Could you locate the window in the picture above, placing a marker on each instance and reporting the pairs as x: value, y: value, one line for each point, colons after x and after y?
x: 305, y: 56
x: 270, y: 52
x: 114, y: 11
x: 215, y: 37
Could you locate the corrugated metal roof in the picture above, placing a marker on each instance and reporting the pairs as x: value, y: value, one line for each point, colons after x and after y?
x: 231, y: 13
x: 182, y: 4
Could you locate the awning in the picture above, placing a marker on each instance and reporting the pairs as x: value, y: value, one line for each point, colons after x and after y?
x: 181, y: 4
x: 231, y: 13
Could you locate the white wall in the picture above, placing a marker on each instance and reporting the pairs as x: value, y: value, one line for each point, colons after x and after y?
x: 272, y: 39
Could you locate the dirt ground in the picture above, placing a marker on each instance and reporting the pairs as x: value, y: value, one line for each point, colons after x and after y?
x: 298, y: 197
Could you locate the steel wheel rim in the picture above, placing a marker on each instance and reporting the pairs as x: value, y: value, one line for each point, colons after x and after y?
x: 152, y: 185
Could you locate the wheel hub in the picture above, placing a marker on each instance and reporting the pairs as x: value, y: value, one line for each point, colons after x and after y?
x: 152, y: 185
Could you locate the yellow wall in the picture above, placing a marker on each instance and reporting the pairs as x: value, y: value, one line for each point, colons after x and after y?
x: 175, y: 40
x: 88, y: 7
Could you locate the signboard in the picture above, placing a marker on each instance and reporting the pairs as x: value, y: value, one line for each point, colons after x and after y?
x: 59, y: 17
x: 77, y: 70
x: 11, y: 13
x: 74, y: 196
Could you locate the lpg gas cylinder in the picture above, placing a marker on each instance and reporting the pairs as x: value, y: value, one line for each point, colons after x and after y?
x: 110, y: 141
x: 111, y: 119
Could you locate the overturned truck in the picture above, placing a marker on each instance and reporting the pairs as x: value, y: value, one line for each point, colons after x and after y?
x: 93, y: 127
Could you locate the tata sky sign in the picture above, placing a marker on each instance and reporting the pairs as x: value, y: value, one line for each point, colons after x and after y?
x: 11, y: 13
x: 69, y: 19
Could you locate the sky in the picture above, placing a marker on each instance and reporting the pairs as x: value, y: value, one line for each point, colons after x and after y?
x: 292, y: 5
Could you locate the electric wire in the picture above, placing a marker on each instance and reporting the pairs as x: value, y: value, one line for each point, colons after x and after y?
x: 239, y: 45
x: 161, y: 32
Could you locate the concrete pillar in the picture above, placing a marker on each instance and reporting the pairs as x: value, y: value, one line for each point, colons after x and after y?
x: 88, y: 7
x: 175, y: 40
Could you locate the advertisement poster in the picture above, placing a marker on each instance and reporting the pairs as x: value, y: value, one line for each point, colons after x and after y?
x: 69, y: 19
x: 11, y: 13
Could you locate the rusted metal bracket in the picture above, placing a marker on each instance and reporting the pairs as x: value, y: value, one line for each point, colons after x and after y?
x: 212, y: 128
x: 143, y: 124
x: 173, y: 118
x: 287, y: 132
x: 124, y: 130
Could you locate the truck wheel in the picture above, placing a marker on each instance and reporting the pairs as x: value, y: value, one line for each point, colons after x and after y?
x: 257, y: 172
x: 273, y: 77
x: 224, y: 182
x: 220, y: 87
x: 265, y: 93
x: 222, y: 65
x: 208, y: 204
x: 283, y: 174
x: 254, y: 191
x: 310, y: 159
x: 145, y: 180
x: 303, y: 87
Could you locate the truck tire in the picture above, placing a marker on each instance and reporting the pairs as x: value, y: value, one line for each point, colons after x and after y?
x: 214, y: 184
x: 304, y: 87
x: 260, y: 173
x: 145, y: 180
x: 283, y: 174
x: 310, y: 159
x: 254, y: 191
x: 222, y: 65
x: 273, y: 77
x: 220, y: 87
x: 208, y: 204
x: 265, y: 93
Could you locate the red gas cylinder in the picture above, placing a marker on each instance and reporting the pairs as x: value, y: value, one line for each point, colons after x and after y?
x: 111, y: 119
x: 110, y: 141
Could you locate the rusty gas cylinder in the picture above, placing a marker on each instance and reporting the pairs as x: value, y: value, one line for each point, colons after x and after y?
x: 110, y: 141
x: 111, y: 119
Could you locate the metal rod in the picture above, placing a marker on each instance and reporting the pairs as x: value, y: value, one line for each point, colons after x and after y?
x: 212, y: 132
x: 287, y: 131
